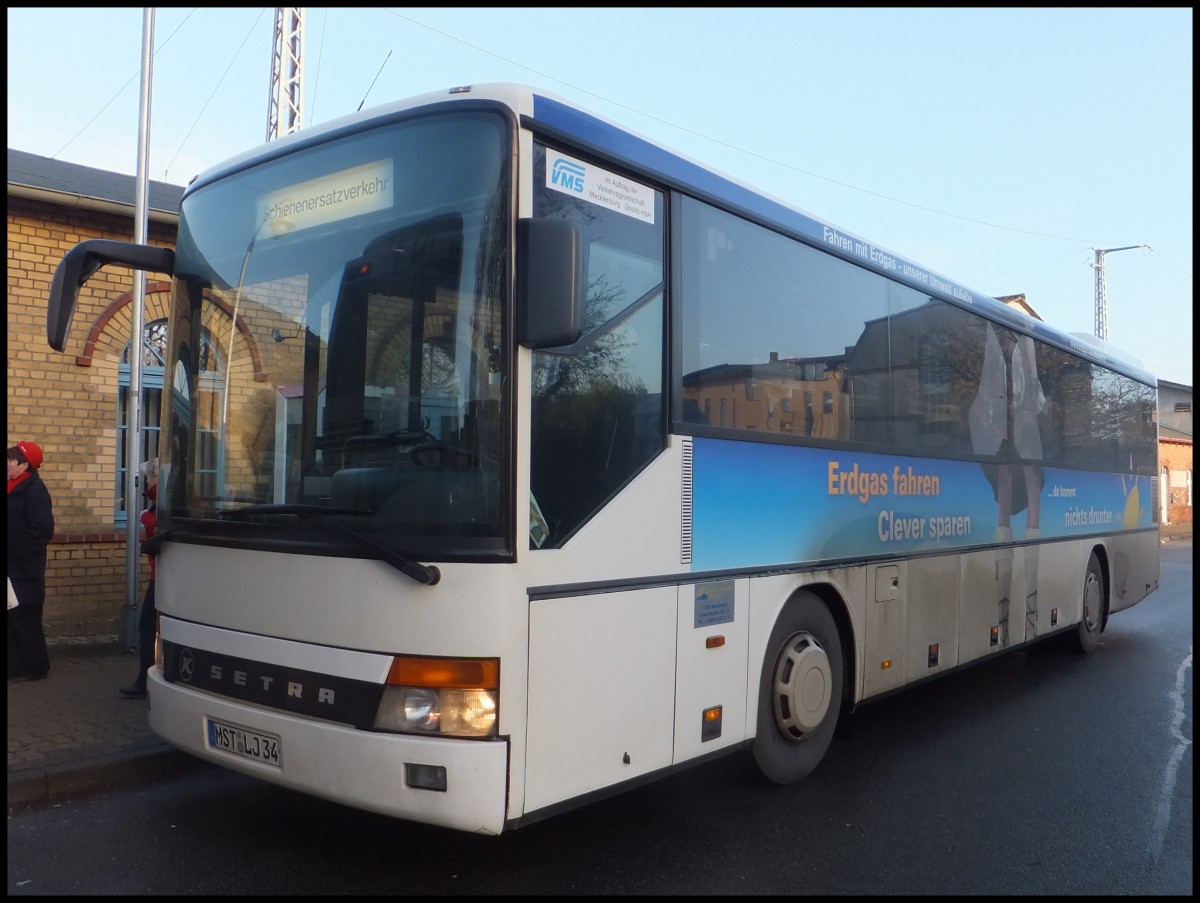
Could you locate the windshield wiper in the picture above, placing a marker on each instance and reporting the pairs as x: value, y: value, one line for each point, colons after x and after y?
x: 422, y: 573
x: 248, y: 511
x: 153, y: 544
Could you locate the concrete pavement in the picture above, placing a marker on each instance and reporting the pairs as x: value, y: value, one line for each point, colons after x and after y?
x: 73, y: 732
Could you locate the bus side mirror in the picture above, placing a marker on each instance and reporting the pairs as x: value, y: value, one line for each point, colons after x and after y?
x: 551, y: 277
x: 80, y: 263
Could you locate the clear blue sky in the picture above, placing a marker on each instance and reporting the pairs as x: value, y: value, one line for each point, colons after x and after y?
x: 998, y: 147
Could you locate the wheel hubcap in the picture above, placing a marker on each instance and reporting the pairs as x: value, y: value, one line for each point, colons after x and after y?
x: 801, y: 687
x: 1091, y: 602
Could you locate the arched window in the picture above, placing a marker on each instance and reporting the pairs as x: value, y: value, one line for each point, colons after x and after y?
x: 154, y: 352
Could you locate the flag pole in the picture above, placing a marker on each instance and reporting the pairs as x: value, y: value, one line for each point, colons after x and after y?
x: 127, y: 626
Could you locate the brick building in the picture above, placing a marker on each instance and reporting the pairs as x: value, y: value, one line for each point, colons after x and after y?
x: 72, y: 403
x: 1175, y: 452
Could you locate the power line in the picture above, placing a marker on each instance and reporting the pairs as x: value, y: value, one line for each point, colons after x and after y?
x: 735, y: 147
x: 375, y: 79
x: 196, y: 121
x: 120, y: 90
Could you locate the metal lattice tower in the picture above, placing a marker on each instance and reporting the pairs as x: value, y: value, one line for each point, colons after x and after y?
x: 1101, y: 291
x: 287, y: 90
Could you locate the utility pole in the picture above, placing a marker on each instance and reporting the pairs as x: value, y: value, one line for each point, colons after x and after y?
x: 286, y: 91
x: 127, y: 635
x: 1101, y: 297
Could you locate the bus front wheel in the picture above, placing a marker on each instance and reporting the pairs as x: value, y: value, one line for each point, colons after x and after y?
x: 1086, y: 636
x: 800, y: 694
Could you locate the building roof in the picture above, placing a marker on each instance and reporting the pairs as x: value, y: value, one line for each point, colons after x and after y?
x: 1019, y: 303
x: 31, y: 175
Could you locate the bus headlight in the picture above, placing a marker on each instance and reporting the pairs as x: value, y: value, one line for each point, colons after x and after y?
x: 443, y: 697
x: 415, y: 707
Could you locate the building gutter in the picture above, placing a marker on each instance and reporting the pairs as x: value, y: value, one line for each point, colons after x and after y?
x: 67, y: 199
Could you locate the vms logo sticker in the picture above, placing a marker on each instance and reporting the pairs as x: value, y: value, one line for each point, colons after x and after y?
x: 567, y: 174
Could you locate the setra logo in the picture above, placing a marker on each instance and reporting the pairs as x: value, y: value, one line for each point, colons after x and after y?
x: 567, y: 174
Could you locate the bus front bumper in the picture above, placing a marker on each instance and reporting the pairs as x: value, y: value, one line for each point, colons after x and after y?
x: 362, y: 769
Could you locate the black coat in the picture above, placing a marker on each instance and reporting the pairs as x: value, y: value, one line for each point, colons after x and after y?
x: 30, y: 527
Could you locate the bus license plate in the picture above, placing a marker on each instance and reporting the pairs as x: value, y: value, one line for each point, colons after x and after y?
x: 242, y: 742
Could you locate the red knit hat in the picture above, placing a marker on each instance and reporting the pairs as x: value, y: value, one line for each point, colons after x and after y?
x: 32, y: 452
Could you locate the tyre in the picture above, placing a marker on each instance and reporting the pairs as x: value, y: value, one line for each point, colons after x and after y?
x: 1086, y: 635
x: 800, y: 691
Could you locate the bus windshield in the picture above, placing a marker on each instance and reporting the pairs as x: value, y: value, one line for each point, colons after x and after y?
x: 335, y: 351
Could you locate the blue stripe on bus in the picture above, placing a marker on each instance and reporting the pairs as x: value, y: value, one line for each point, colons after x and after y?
x: 757, y: 504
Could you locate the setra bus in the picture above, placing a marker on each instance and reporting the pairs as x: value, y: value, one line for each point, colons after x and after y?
x: 510, y: 460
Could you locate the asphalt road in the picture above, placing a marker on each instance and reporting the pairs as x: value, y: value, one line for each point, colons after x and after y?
x: 1038, y: 772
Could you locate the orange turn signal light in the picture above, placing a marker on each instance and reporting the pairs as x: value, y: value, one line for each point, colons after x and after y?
x: 445, y: 673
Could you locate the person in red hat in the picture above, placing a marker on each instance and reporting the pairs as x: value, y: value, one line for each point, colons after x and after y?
x: 30, y: 527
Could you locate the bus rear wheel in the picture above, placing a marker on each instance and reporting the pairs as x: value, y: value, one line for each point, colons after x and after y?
x: 800, y: 693
x: 1086, y: 636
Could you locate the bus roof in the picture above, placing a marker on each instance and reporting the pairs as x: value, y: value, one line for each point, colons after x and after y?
x: 556, y: 117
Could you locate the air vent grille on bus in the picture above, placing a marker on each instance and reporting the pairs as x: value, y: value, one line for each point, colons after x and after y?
x: 1155, y: 505
x: 685, y: 519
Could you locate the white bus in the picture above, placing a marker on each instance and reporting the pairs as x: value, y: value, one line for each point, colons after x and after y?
x: 511, y: 460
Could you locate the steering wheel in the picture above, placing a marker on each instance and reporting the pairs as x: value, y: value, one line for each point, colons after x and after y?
x: 429, y: 453
x: 436, y: 453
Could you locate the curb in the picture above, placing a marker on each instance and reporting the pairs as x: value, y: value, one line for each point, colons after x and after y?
x: 35, y: 785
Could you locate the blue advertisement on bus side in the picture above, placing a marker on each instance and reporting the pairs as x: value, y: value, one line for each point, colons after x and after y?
x: 756, y: 504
